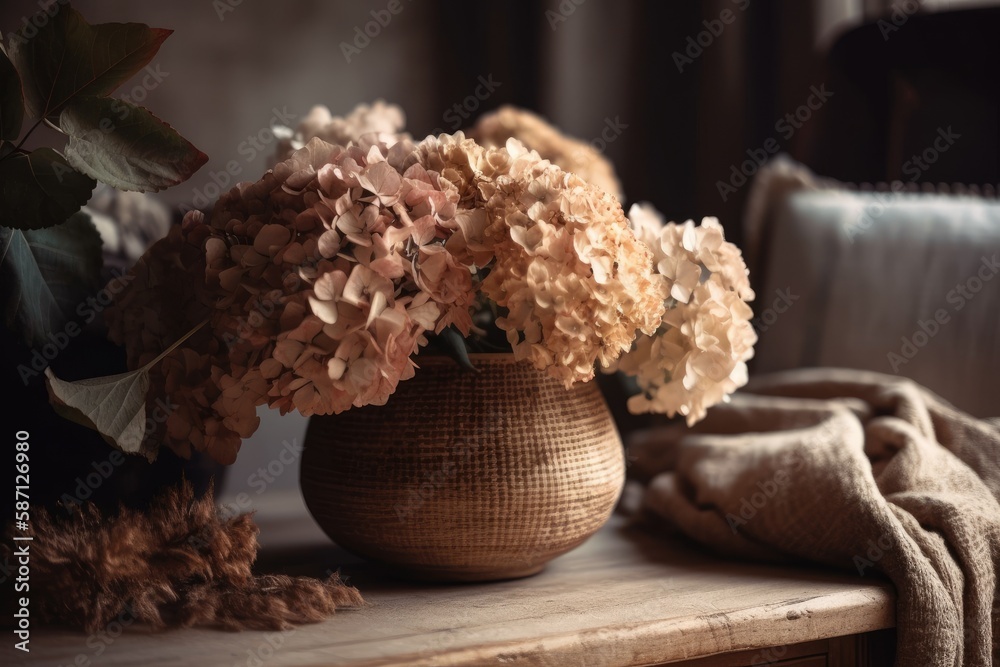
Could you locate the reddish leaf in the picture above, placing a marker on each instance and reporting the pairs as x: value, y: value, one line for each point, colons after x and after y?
x: 68, y: 57
x: 126, y: 146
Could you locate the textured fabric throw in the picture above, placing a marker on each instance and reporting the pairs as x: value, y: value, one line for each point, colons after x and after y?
x: 178, y: 564
x: 853, y: 469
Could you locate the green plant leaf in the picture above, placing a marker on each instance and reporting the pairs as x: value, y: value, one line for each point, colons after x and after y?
x: 40, y: 189
x: 453, y: 345
x: 126, y: 146
x: 11, y: 100
x: 114, y: 406
x: 47, y: 274
x: 67, y: 57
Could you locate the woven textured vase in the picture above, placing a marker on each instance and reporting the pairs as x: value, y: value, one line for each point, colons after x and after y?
x: 466, y: 476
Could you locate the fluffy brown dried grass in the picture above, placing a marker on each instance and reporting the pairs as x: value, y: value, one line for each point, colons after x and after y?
x: 176, y: 564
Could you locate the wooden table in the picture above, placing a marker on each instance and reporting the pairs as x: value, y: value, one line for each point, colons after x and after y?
x: 625, y: 597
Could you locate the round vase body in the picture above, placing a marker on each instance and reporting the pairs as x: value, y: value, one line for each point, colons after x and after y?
x: 466, y: 476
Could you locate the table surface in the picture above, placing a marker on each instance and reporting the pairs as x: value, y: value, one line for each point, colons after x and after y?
x: 626, y: 597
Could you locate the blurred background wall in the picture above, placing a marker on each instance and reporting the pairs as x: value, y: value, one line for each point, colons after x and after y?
x: 681, y: 104
x: 680, y: 95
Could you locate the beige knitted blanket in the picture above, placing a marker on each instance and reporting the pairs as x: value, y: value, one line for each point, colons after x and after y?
x: 858, y: 470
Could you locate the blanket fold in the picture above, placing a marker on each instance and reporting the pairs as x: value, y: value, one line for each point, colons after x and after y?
x: 856, y: 470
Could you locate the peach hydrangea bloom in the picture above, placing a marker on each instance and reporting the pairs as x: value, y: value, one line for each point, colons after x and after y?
x: 385, y: 121
x: 495, y: 128
x: 321, y: 281
x: 698, y: 357
x: 575, y: 281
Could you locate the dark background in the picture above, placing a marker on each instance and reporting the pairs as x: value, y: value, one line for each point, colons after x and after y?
x: 697, y: 89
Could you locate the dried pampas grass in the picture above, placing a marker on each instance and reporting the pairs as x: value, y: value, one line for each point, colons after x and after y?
x: 176, y: 564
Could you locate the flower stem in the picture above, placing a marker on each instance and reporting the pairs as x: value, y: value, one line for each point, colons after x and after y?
x: 28, y: 134
x: 174, y: 346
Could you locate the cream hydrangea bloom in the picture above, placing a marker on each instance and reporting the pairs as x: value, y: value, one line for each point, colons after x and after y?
x: 322, y: 280
x: 493, y: 129
x: 698, y: 356
x: 575, y: 280
x: 385, y: 121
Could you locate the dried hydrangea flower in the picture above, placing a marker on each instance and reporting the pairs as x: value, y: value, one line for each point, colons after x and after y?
x: 698, y: 356
x: 385, y: 121
x: 492, y: 130
x: 321, y: 281
x: 574, y: 278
